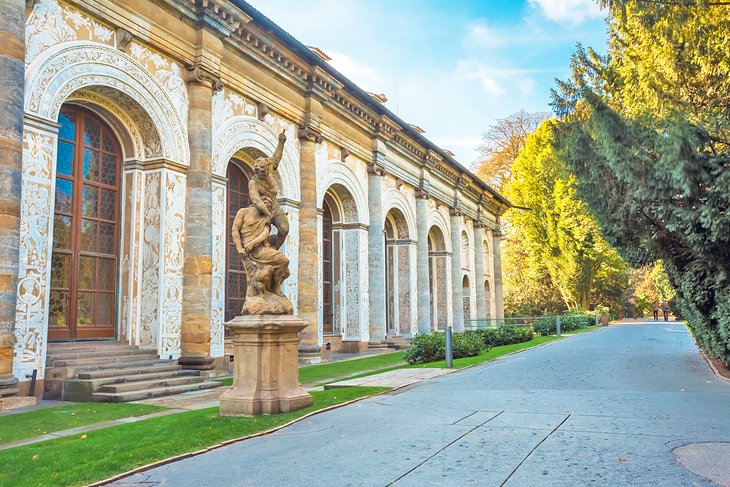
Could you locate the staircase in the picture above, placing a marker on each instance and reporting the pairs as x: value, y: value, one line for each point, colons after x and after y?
x: 397, y: 342
x: 114, y: 372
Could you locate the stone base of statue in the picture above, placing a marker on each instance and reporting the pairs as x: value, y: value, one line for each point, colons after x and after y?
x: 266, y: 371
x: 267, y: 303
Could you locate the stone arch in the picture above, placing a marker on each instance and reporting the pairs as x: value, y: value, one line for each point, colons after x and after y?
x: 68, y: 67
x: 340, y: 179
x: 398, y: 223
x: 437, y: 219
x: 399, y: 273
x: 465, y: 249
x: 439, y: 278
x: 256, y: 139
x: 487, y: 257
x: 466, y: 296
x: 394, y: 199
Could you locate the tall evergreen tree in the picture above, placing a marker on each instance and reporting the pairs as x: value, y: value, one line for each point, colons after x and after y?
x: 646, y: 129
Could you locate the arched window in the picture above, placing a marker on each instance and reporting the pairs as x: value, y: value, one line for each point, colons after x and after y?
x: 465, y: 257
x: 84, y: 261
x: 237, y: 198
x: 327, y: 269
x: 466, y: 290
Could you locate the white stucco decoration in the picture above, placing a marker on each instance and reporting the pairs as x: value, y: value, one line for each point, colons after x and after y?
x: 241, y: 132
x: 436, y: 218
x: 335, y: 172
x: 65, y: 68
x: 393, y: 198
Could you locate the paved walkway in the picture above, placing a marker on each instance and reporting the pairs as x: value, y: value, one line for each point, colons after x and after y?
x: 603, y: 408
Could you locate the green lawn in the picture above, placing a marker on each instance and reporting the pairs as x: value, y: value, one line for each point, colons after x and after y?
x: 492, y: 354
x: 582, y: 330
x: 110, y: 451
x: 41, y: 421
x: 314, y: 374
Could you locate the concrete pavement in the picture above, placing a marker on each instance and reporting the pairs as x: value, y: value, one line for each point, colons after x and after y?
x: 602, y: 408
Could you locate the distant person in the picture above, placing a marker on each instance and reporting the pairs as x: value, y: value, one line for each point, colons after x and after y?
x: 655, y: 307
x: 665, y: 310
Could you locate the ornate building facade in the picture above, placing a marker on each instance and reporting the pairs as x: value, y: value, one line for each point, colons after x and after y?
x: 129, y: 143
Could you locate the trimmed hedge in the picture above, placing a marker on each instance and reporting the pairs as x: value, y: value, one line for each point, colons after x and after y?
x: 569, y: 321
x: 432, y: 348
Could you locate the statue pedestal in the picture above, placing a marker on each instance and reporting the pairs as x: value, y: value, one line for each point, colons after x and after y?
x: 266, y: 370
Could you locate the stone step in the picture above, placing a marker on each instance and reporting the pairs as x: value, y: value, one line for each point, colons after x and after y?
x: 103, y: 354
x: 108, y: 361
x: 156, y: 392
x: 150, y: 367
x: 64, y: 346
x: 9, y: 391
x: 138, y: 375
x: 151, y: 384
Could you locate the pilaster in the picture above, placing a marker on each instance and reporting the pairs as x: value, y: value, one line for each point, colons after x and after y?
x: 376, y: 248
x: 12, y: 59
x: 198, y: 263
x: 479, y: 271
x: 457, y: 298
x: 498, y: 298
x: 422, y: 270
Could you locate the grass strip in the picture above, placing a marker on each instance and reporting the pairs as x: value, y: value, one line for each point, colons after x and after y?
x: 318, y: 373
x: 582, y: 330
x: 490, y: 355
x: 103, y: 453
x: 49, y: 420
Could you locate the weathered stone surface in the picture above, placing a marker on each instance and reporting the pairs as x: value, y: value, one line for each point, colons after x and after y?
x: 272, y: 304
x: 7, y: 403
x: 265, y: 374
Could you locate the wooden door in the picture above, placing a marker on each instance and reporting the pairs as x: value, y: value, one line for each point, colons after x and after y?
x: 84, y: 261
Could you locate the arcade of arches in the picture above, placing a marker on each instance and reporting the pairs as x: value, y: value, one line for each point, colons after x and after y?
x: 135, y: 158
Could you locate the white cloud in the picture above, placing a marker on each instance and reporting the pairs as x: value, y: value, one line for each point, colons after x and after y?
x: 487, y: 77
x: 574, y: 11
x: 359, y: 72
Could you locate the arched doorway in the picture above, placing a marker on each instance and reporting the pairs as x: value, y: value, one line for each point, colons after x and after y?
x: 236, y: 198
x: 397, y: 273
x: 488, y: 299
x: 437, y: 272
x: 466, y: 290
x: 330, y: 265
x: 84, y: 260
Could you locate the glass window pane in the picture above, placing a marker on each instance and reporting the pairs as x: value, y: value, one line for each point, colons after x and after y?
x: 106, y: 239
x: 92, y: 133
x: 87, y: 272
x: 107, y: 274
x: 57, y: 308
x: 64, y: 158
x: 68, y: 125
x: 84, y: 308
x: 108, y: 205
x: 64, y: 196
x: 60, y: 270
x: 88, y: 236
x: 109, y: 170
x: 61, y: 232
x: 91, y: 165
x: 90, y: 201
x: 109, y: 145
x: 104, y: 309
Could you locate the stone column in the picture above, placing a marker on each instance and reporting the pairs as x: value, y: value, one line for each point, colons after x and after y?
x: 12, y: 74
x: 307, y: 287
x: 198, y: 263
x: 498, y: 299
x: 422, y: 271
x: 457, y: 294
x: 376, y: 254
x: 479, y: 271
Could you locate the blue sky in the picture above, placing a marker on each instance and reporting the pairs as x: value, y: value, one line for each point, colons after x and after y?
x: 458, y: 65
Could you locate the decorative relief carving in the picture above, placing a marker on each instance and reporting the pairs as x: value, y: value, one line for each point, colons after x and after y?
x: 34, y: 250
x: 172, y: 265
x: 246, y: 132
x: 50, y: 23
x: 227, y: 104
x: 291, y: 250
x: 149, y: 290
x: 66, y: 68
x: 352, y: 281
x: 404, y: 289
x: 220, y: 240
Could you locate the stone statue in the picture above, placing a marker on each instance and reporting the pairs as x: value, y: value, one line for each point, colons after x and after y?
x: 265, y: 265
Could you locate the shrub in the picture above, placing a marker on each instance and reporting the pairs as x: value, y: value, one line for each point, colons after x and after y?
x: 432, y: 348
x: 569, y: 321
x: 466, y: 345
x: 504, y: 335
x: 426, y: 348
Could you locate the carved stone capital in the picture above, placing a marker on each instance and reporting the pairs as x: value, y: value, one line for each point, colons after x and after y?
x: 344, y: 152
x: 308, y: 133
x: 422, y: 193
x: 375, y: 170
x: 261, y: 110
x: 199, y: 74
x: 124, y: 38
x: 454, y: 211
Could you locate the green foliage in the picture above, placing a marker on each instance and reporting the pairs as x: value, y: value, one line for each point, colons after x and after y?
x: 569, y: 321
x: 649, y: 284
x: 504, y: 335
x: 432, y: 348
x: 651, y: 122
x: 555, y: 247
